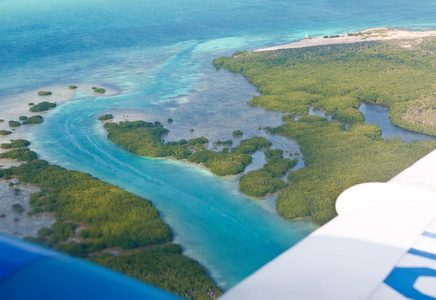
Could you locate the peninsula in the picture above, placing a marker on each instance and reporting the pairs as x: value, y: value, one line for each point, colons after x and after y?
x: 406, y: 38
x: 144, y: 138
x: 106, y: 225
x: 387, y: 67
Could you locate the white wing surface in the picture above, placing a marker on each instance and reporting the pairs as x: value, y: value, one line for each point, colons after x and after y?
x: 382, y: 245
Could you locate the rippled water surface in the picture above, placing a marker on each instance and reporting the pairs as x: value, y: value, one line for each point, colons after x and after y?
x: 157, y: 55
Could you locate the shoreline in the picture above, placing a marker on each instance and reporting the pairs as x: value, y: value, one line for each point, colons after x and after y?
x: 18, y: 105
x: 407, y: 38
x: 14, y: 221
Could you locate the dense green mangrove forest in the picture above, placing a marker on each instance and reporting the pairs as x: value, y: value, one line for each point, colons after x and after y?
x: 336, y: 159
x: 267, y: 179
x: 336, y: 79
x: 145, y: 139
x: 45, y: 105
x: 94, y: 218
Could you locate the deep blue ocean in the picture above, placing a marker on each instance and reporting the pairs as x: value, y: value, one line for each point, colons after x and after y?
x: 157, y: 56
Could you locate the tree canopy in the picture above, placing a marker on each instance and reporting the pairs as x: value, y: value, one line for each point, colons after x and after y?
x: 336, y: 79
x: 93, y: 216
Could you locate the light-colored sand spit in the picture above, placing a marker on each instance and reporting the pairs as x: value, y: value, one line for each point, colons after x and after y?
x: 408, y: 38
x: 11, y: 108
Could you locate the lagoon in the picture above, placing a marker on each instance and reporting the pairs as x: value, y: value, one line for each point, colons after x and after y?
x: 158, y: 56
x: 379, y: 115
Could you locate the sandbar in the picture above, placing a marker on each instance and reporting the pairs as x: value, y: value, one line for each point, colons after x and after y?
x: 407, y: 38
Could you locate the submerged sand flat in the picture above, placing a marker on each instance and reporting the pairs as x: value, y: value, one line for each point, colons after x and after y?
x: 408, y: 38
x: 15, y: 221
x: 11, y: 108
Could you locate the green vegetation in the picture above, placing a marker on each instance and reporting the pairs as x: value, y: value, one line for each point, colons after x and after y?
x: 42, y: 106
x: 44, y: 93
x: 5, y: 132
x: 100, y: 216
x: 276, y: 164
x: 197, y: 142
x: 22, y: 154
x: 170, y: 120
x: 357, y: 34
x: 106, y: 117
x: 31, y: 103
x: 144, y: 138
x: 259, y: 183
x: 18, y: 208
x: 112, y: 217
x: 224, y: 143
x: 22, y: 118
x: 336, y: 159
x: 14, y: 124
x: 99, y: 90
x: 16, y: 191
x: 45, y: 231
x: 221, y: 163
x: 72, y: 87
x: 252, y: 145
x: 153, y: 266
x: 336, y: 79
x: 267, y: 180
x: 15, y: 144
x: 237, y: 133
x: 418, y: 115
x: 33, y: 120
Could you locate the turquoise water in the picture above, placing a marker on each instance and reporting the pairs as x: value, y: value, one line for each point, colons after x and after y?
x: 157, y: 55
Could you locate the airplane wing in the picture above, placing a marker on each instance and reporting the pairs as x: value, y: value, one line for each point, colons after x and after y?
x: 382, y: 245
x: 28, y: 271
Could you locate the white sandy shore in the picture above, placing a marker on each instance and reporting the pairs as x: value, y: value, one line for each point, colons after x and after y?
x: 407, y: 38
x: 132, y: 115
x: 11, y: 108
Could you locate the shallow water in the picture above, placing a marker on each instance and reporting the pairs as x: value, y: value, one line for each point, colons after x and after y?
x: 158, y: 55
x: 379, y: 115
x: 16, y: 222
